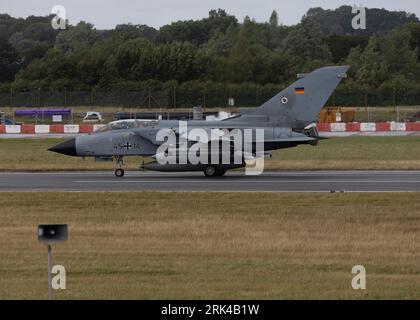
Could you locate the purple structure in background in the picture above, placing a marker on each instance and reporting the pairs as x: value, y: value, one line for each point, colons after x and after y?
x: 42, y: 112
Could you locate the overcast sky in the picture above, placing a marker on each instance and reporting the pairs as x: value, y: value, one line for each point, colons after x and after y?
x: 105, y: 14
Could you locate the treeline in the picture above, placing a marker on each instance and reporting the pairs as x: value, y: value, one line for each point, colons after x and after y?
x: 215, y: 50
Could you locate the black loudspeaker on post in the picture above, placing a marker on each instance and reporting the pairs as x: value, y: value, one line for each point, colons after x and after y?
x: 52, y: 232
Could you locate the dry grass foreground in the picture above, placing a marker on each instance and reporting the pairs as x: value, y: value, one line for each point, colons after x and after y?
x: 215, y: 246
x: 358, y: 153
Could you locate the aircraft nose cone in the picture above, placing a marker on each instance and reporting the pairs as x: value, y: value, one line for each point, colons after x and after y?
x: 67, y: 147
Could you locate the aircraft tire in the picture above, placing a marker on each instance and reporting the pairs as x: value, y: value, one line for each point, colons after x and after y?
x: 119, y: 173
x: 210, y: 171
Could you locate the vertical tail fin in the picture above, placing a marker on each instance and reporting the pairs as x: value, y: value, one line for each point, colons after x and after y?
x: 300, y: 103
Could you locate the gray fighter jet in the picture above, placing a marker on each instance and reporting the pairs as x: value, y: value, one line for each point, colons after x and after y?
x: 286, y: 120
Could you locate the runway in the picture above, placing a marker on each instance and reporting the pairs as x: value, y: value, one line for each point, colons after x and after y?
x: 236, y: 181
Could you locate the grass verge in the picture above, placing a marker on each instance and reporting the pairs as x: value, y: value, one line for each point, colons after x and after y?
x: 155, y: 245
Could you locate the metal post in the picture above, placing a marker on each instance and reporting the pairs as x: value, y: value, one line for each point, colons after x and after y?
x: 393, y: 98
x: 49, y: 273
x: 230, y: 96
x: 258, y: 96
x: 122, y: 98
x: 174, y: 97
x: 366, y: 105
x: 204, y: 97
x: 65, y: 97
x: 366, y: 98
x: 92, y: 98
x: 11, y: 98
x: 150, y: 97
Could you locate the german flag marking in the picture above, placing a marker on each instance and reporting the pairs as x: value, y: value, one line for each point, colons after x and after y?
x: 299, y: 90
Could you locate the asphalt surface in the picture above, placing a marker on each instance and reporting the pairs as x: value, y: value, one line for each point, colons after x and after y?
x: 320, y: 181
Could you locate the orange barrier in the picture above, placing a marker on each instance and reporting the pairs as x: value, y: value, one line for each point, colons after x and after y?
x: 85, y: 128
x: 57, y: 128
x: 27, y: 128
x: 383, y: 126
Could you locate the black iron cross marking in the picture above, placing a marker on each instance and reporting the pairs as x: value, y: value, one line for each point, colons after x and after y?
x: 127, y: 146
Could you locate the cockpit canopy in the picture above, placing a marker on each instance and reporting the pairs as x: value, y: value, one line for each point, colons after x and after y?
x: 127, y: 124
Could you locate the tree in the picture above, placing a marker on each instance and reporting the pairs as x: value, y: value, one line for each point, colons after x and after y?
x: 96, y: 66
x: 55, y: 70
x: 215, y: 48
x: 274, y: 19
x: 181, y: 61
x: 197, y: 32
x: 182, y: 31
x: 40, y: 31
x: 251, y: 57
x: 77, y: 38
x: 220, y: 43
x: 130, y: 31
x: 414, y: 29
x: 398, y: 58
x: 305, y: 44
x: 136, y: 60
x: 354, y: 60
x: 340, y: 45
x: 219, y: 22
x: 9, y: 61
x: 370, y: 72
x: 380, y: 21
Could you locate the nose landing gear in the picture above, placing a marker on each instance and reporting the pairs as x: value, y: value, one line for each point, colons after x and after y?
x: 119, y: 171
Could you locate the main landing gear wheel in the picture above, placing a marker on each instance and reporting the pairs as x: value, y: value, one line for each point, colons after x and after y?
x: 119, y: 173
x: 210, y: 171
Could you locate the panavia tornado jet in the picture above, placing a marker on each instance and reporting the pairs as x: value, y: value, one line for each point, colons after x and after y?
x: 213, y: 147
